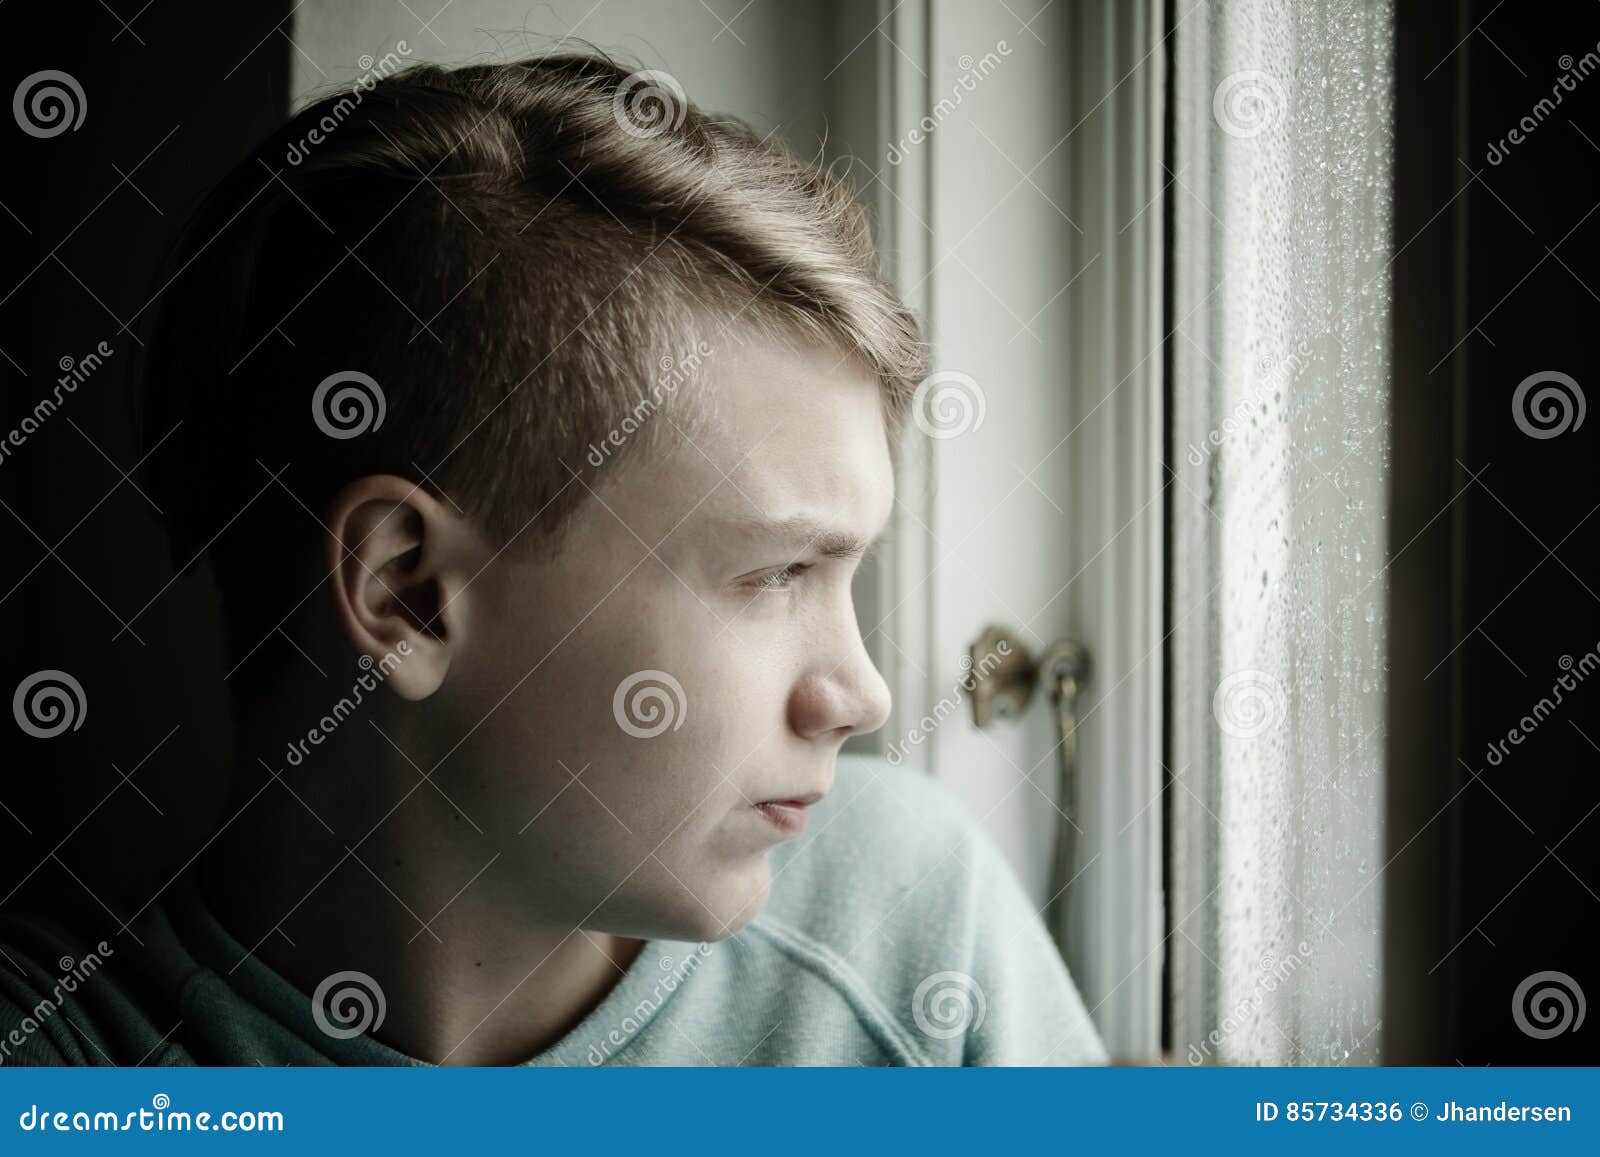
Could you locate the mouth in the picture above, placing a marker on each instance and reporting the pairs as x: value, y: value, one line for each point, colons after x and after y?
x: 788, y: 815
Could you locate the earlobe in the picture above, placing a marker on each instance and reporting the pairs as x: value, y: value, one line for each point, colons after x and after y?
x: 392, y: 561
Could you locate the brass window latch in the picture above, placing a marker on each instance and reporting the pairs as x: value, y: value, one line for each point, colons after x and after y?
x: 1001, y: 680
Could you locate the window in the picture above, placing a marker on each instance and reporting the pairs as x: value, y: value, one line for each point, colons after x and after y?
x: 1280, y: 464
x: 1261, y: 466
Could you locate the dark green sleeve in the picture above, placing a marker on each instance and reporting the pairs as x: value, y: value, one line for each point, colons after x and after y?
x: 62, y: 1001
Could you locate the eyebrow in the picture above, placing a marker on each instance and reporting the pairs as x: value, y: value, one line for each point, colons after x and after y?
x: 801, y: 530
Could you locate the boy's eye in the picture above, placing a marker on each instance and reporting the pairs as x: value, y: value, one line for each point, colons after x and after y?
x: 780, y: 580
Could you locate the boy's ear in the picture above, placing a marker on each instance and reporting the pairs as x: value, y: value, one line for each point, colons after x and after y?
x: 400, y: 562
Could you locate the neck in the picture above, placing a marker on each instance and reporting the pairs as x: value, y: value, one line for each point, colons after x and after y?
x: 464, y: 980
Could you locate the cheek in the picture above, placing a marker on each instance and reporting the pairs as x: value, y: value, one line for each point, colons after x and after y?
x: 652, y: 699
x: 649, y: 750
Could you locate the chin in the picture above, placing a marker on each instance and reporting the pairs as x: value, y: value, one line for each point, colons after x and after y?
x: 725, y: 904
x: 707, y: 905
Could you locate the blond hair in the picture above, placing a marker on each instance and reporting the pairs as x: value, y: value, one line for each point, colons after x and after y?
x: 510, y: 254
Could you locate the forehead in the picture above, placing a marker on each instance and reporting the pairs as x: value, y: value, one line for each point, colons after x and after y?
x: 788, y: 429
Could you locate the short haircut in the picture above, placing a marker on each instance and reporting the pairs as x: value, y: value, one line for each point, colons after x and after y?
x: 508, y: 259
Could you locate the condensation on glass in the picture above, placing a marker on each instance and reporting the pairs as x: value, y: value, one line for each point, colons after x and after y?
x: 1281, y: 186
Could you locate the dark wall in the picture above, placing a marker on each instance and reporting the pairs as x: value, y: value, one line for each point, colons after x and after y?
x: 171, y: 99
x: 1495, y: 875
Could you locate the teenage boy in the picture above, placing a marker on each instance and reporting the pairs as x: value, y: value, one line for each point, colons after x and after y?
x: 549, y: 418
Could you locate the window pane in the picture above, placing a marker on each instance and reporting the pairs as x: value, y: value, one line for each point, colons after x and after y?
x: 1281, y: 448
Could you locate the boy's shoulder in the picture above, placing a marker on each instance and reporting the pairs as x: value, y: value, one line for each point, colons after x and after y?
x: 886, y: 888
x: 67, y: 998
x: 874, y: 838
x: 897, y: 894
x: 886, y: 851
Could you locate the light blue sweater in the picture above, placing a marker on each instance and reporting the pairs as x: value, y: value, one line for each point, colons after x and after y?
x: 896, y: 934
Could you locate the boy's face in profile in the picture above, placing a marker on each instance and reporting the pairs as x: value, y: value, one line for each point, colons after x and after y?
x: 619, y: 802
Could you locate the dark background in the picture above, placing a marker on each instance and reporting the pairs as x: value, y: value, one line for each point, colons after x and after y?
x: 1493, y: 873
x: 176, y: 95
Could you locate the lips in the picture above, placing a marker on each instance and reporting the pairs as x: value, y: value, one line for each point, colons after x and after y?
x: 799, y: 800
x: 788, y: 815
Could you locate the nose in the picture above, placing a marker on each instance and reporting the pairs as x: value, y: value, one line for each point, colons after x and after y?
x: 841, y: 699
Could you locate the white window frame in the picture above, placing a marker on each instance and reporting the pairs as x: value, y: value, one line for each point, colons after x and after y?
x: 1115, y: 55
